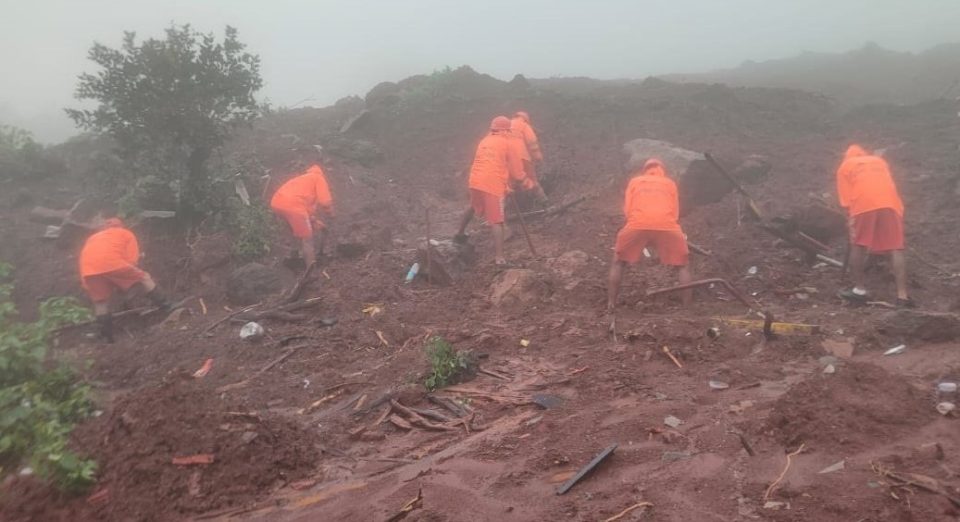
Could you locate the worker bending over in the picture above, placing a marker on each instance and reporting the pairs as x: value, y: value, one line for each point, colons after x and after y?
x: 300, y: 201
x: 651, y: 207
x: 495, y: 164
x: 875, y: 220
x: 108, y: 262
x: 530, y: 151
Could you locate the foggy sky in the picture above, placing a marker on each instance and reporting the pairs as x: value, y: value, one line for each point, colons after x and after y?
x: 320, y: 51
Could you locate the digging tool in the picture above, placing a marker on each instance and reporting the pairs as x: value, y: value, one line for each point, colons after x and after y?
x: 704, y: 282
x: 754, y: 209
x: 523, y: 224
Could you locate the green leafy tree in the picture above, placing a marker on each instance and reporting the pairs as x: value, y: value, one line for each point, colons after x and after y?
x: 20, y: 155
x: 171, y: 103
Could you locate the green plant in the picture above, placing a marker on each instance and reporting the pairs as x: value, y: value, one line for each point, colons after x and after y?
x: 446, y: 363
x: 251, y: 227
x: 40, y: 403
x: 170, y: 103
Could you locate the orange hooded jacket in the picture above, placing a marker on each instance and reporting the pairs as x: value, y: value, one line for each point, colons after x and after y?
x: 304, y: 193
x: 651, y: 201
x: 524, y: 131
x: 112, y: 248
x: 864, y: 183
x: 497, y: 161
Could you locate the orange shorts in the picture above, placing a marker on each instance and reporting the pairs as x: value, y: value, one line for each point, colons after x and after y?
x: 878, y: 230
x: 300, y: 221
x: 100, y: 286
x: 487, y: 206
x: 670, y: 244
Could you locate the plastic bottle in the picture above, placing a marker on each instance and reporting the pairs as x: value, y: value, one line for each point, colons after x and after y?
x: 412, y: 273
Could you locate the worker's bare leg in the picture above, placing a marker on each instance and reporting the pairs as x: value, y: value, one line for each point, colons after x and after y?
x: 308, y: 250
x: 153, y: 293
x: 613, y: 281
x: 497, y: 231
x: 683, y: 274
x: 321, y: 241
x: 858, y: 256
x: 899, y: 265
x: 464, y: 221
x: 101, y: 312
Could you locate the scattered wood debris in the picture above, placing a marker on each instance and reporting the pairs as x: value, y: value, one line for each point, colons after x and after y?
x: 623, y: 513
x: 412, y: 504
x: 584, y: 471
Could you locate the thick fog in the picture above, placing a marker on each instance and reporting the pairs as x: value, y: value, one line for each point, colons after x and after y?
x: 316, y: 52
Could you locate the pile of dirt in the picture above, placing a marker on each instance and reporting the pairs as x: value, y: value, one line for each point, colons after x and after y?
x: 859, y: 406
x: 136, y: 443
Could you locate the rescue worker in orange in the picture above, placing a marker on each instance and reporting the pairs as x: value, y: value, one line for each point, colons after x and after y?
x: 652, y: 210
x: 495, y: 165
x: 108, y: 262
x: 530, y: 151
x: 867, y: 191
x: 301, y: 200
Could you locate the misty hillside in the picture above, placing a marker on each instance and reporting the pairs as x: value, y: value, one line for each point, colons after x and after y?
x: 870, y: 74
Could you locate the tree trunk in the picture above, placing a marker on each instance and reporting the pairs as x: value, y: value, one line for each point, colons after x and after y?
x: 194, y: 197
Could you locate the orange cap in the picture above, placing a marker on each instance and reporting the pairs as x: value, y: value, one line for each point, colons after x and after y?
x: 500, y: 123
x: 524, y: 115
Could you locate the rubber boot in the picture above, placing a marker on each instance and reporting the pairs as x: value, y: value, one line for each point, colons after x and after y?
x: 106, y: 327
x: 158, y: 299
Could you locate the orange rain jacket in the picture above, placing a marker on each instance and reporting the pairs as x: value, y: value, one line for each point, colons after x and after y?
x: 112, y: 248
x: 495, y: 163
x: 304, y: 192
x: 651, y: 201
x: 523, y: 130
x: 864, y: 183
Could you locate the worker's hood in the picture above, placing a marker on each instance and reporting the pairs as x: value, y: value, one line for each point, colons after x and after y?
x: 112, y: 222
x: 654, y: 167
x: 855, y: 151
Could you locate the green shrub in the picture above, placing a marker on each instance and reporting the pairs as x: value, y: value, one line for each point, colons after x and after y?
x: 251, y: 227
x: 446, y: 363
x: 40, y: 404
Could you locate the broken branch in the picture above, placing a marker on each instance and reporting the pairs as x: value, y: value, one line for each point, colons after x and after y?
x: 783, y: 473
x: 621, y: 514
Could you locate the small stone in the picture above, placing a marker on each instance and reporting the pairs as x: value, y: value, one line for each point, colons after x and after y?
x: 672, y: 421
x: 248, y: 436
x: 671, y: 456
x: 944, y: 408
x: 753, y: 270
x: 900, y: 348
x: 827, y: 360
x: 829, y: 369
x: 718, y: 385
x: 776, y: 505
x: 833, y: 467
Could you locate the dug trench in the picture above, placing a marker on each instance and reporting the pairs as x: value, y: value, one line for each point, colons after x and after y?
x: 341, y: 428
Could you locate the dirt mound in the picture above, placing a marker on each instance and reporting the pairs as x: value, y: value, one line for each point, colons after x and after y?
x: 135, y: 444
x: 860, y: 405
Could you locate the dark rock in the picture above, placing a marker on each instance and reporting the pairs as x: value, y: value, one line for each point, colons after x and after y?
x: 919, y: 325
x: 251, y: 283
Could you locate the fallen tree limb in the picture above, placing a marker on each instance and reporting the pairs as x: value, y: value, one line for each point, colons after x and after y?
x: 547, y: 211
x: 280, y: 311
x: 417, y: 420
x: 783, y: 473
x: 207, y: 331
x: 286, y: 355
x: 621, y: 514
x: 918, y: 481
x: 294, y: 294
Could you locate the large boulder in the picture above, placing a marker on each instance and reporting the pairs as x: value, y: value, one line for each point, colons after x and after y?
x: 518, y: 286
x: 697, y: 181
x: 920, y: 325
x: 251, y: 283
x: 570, y: 266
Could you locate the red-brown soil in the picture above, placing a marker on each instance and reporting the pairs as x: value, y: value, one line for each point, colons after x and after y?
x: 873, y: 409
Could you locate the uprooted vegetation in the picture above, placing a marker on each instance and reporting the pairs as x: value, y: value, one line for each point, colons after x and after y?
x: 40, y: 400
